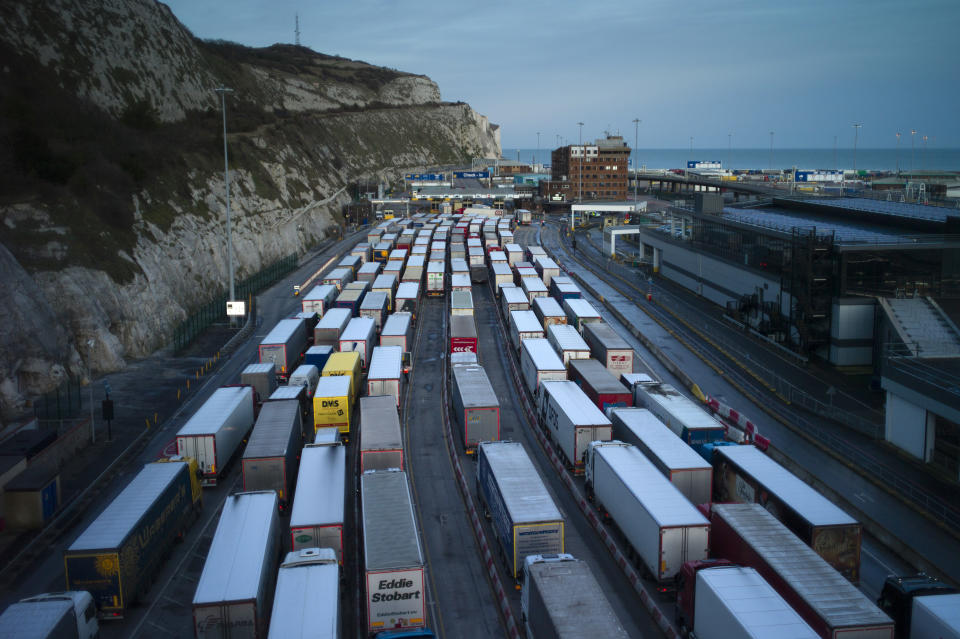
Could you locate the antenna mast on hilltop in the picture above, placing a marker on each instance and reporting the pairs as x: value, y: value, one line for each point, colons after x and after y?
x: 296, y: 29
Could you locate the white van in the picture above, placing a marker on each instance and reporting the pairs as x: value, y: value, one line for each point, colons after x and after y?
x: 306, y: 375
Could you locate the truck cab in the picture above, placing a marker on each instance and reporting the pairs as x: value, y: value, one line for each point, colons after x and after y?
x: 84, y: 610
x: 687, y: 590
x: 896, y: 598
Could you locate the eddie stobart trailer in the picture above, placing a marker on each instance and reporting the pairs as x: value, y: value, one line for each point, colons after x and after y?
x: 561, y: 599
x: 115, y: 557
x: 212, y: 436
x: 269, y: 461
x: 392, y: 557
x: 235, y: 591
x: 746, y: 474
x: 316, y: 520
x: 306, y: 602
x: 525, y: 518
x: 284, y: 345
x: 476, y: 408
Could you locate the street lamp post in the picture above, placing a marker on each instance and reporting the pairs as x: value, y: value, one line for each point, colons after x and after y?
x: 636, y: 165
x: 856, y: 134
x: 898, y: 153
x: 226, y: 178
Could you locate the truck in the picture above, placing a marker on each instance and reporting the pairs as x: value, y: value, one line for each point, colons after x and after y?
x: 339, y: 277
x: 115, y: 557
x: 463, y: 334
x: 306, y: 375
x: 580, y: 312
x: 609, y: 348
x: 679, y: 463
x: 331, y: 326
x: 374, y: 306
x: 571, y: 420
x: 661, y: 527
x: 392, y: 558
x: 332, y: 404
x: 318, y: 356
x: 306, y: 602
x: 461, y: 303
x: 414, y: 270
x: 460, y: 282
x: 316, y: 519
x: 297, y: 394
x: 350, y: 299
x: 513, y: 299
x: 548, y: 311
x: 263, y: 379
x: 533, y: 287
x: 476, y: 409
x: 936, y: 616
x: 386, y: 283
x: 381, y: 442
x: 345, y: 364
x: 600, y: 385
x: 748, y: 535
x: 362, y: 250
x: 514, y: 253
x: 369, y: 271
x: 500, y: 274
x: 284, y: 345
x: 539, y: 363
x: 212, y: 436
x: 54, y: 615
x: 352, y: 262
x: 319, y: 299
x: 525, y: 518
x: 408, y: 298
x: 270, y: 459
x: 688, y: 421
x: 359, y: 336
x: 310, y: 319
x: 899, y: 597
x: 568, y: 343
x: 561, y: 598
x: 385, y: 376
x: 547, y: 269
x: 235, y: 591
x: 746, y: 474
x: 435, y: 279
x: 735, y: 602
x: 398, y: 331
x: 563, y: 287
x: 524, y: 216
x: 524, y: 325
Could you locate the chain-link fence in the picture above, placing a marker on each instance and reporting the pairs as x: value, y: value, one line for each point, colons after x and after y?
x: 64, y: 402
x: 216, y: 309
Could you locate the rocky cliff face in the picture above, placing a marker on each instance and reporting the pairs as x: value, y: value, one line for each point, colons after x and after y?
x: 114, y: 210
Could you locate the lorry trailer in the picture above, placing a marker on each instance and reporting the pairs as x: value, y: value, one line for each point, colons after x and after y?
x: 580, y: 312
x: 533, y: 287
x: 661, y: 526
x: 548, y: 311
x: 746, y: 474
x: 332, y: 405
x: 567, y: 342
x: 212, y: 436
x: 524, y: 325
x: 284, y: 345
x: 435, y: 279
x: 513, y: 299
x: 539, y: 363
x: 936, y: 616
x: 571, y: 420
x: 408, y: 298
x: 318, y: 355
x: 350, y: 299
x: 461, y: 303
x: 330, y: 327
x: 476, y: 408
x: 319, y: 299
x: 599, y: 384
x: 263, y: 379
x: 898, y: 593
x: 235, y: 591
x: 748, y: 535
x: 525, y: 518
x: 381, y: 442
x: 398, y: 331
x: 561, y: 599
x: 55, y: 615
x: 359, y: 336
x: 316, y: 519
x: 270, y: 459
x: 385, y: 375
x: 386, y: 283
x: 679, y: 463
x: 688, y: 421
x: 115, y: 557
x: 609, y: 348
x: 306, y: 602
x: 374, y: 306
x: 392, y: 558
x: 347, y: 364
x: 463, y: 334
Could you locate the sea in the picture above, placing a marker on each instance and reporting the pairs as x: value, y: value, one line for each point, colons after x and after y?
x: 801, y: 159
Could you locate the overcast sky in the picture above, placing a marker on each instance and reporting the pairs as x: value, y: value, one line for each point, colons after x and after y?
x: 805, y: 69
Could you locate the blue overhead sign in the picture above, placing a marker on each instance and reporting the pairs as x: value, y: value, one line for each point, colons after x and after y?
x: 476, y: 175
x: 424, y: 177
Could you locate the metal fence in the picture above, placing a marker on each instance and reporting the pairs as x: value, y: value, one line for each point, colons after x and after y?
x: 216, y: 309
x: 64, y: 402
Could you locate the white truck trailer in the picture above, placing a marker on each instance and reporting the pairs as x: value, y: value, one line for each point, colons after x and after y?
x: 306, y: 603
x: 539, y: 363
x: 214, y: 434
x: 572, y: 420
x: 381, y: 442
x: 316, y: 520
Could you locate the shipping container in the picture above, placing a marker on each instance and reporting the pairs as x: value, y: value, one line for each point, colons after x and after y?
x: 398, y: 331
x: 116, y: 556
x: 263, y: 379
x: 561, y: 599
x: 571, y: 420
x: 661, y: 526
x: 235, y: 592
x: 316, y: 519
x: 688, y: 421
x: 270, y: 459
x: 347, y: 364
x: 567, y: 342
x: 319, y: 299
x: 526, y: 520
x: 374, y: 306
x: 338, y: 277
x: 393, y: 560
x: 679, y: 463
x: 408, y: 298
x: 513, y: 299
x: 435, y: 279
x: 748, y: 535
x: 318, y: 356
x: 524, y: 325
x: 600, y: 385
x: 463, y: 334
x: 284, y: 345
x: 212, y: 436
x: 306, y: 604
x: 330, y: 327
x: 476, y: 408
x: 386, y: 283
x: 548, y: 311
x: 608, y: 347
x: 533, y: 287
x: 746, y: 474
x: 332, y: 404
x: 539, y: 363
x: 461, y: 303
x: 385, y: 376
x: 350, y: 299
x: 563, y: 287
x: 381, y: 442
x: 359, y: 336
x: 580, y: 313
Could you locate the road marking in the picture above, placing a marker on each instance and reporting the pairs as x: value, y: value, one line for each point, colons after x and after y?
x: 890, y: 571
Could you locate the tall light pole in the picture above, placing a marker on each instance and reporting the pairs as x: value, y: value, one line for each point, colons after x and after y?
x: 771, y: 149
x: 580, y: 143
x: 636, y: 165
x: 898, y: 153
x: 223, y: 91
x: 856, y: 134
x: 913, y: 133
